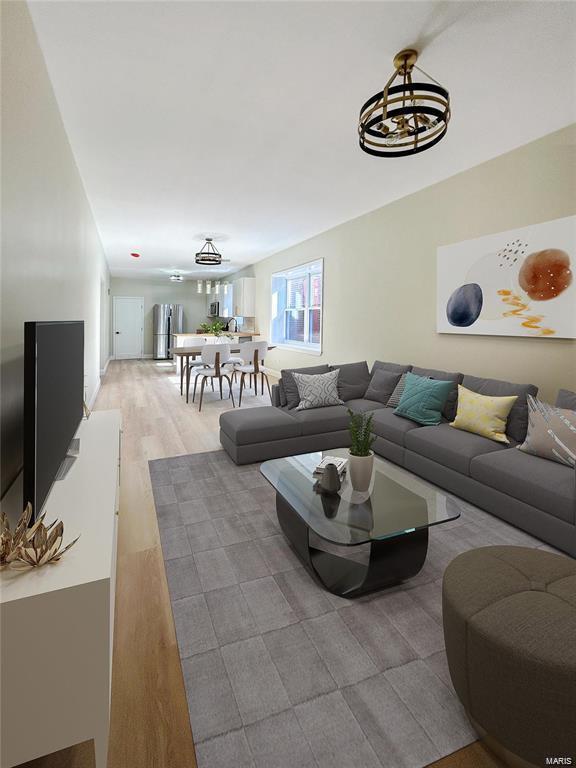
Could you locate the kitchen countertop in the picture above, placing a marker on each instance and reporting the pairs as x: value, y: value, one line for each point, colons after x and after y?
x: 232, y: 333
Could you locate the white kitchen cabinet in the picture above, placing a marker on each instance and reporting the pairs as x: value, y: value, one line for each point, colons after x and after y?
x: 226, y: 301
x: 224, y: 297
x: 244, y: 295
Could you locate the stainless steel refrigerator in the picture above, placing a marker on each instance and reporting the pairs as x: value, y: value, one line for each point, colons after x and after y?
x: 168, y: 319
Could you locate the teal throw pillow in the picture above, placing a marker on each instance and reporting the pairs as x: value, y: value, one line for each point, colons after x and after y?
x: 423, y: 399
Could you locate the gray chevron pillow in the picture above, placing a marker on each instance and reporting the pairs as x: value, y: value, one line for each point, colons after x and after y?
x: 317, y: 391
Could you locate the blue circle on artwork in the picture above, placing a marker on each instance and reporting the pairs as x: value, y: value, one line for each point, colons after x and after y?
x: 464, y: 306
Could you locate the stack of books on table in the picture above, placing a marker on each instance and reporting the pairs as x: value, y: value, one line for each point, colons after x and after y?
x: 339, y: 463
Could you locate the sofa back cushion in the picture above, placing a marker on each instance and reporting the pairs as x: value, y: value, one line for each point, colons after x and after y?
x: 289, y: 385
x: 353, y: 380
x: 517, y: 424
x: 566, y: 399
x: 381, y: 386
x: 449, y: 410
x: 282, y: 400
x: 392, y: 367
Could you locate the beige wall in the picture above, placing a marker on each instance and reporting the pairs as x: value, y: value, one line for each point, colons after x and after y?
x: 161, y: 292
x: 53, y: 267
x: 380, y: 269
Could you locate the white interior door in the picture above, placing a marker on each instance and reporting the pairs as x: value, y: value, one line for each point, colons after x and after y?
x: 128, y: 327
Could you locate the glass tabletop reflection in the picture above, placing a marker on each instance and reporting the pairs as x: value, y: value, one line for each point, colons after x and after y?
x: 395, y: 504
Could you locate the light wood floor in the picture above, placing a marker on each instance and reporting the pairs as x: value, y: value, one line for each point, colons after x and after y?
x: 473, y: 756
x: 150, y: 724
x: 150, y: 727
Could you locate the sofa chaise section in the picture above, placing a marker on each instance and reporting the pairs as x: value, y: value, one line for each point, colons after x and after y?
x: 257, y: 434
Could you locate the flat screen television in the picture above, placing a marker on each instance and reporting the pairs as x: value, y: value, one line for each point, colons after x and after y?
x: 53, y: 402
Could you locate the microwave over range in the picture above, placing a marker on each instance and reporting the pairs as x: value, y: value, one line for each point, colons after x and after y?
x: 214, y: 309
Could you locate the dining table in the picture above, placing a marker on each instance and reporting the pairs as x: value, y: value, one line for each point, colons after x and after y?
x: 193, y: 352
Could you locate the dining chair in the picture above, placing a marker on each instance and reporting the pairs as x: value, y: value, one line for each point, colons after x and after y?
x: 234, y: 359
x: 255, y: 351
x: 213, y: 357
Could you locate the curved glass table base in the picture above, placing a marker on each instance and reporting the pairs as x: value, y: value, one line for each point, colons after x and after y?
x: 391, y: 560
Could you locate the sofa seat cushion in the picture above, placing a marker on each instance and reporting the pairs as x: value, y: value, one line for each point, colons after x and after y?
x: 391, y: 427
x: 246, y: 426
x: 362, y: 405
x: 315, y: 421
x: 450, y: 447
x: 541, y: 483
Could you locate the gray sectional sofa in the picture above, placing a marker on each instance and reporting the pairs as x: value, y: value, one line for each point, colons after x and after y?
x: 534, y: 494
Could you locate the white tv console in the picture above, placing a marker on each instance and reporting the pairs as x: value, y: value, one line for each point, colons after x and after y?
x: 57, y: 621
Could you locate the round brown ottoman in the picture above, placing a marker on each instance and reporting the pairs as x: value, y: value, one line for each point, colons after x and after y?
x: 510, y: 629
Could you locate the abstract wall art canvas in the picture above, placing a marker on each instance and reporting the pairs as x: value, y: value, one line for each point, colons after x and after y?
x: 516, y: 283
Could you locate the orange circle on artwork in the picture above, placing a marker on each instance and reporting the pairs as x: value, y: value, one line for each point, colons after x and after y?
x: 545, y: 274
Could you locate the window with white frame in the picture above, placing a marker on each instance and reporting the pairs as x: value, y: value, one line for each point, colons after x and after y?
x: 296, y: 312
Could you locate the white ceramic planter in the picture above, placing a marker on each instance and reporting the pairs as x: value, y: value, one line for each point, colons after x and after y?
x: 360, y: 468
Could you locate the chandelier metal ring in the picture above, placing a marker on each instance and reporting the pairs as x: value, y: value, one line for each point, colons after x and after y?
x: 407, y: 118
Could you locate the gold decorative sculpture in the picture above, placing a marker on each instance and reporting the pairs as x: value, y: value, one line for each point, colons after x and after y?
x: 31, y: 546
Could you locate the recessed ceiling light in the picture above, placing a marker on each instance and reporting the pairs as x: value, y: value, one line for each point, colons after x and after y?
x: 135, y: 255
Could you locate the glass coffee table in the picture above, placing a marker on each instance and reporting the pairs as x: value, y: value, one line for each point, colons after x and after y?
x: 391, y: 520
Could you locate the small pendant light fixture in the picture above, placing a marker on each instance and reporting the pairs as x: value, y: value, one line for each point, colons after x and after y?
x: 208, y: 254
x: 198, y: 286
x: 407, y: 118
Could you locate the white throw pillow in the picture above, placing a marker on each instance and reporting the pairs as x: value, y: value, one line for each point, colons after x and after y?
x: 317, y: 390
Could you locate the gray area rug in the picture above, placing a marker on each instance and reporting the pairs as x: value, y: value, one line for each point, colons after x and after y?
x: 280, y: 673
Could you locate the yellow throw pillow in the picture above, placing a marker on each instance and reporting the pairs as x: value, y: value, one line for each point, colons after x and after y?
x: 482, y: 414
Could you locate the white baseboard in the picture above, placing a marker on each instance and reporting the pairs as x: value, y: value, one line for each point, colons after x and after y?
x: 106, y: 364
x: 147, y: 356
x: 92, y: 400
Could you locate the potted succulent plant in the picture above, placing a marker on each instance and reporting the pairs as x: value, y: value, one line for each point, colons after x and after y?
x: 361, y: 459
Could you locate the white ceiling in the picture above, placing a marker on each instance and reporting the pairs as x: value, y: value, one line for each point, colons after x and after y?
x: 240, y: 118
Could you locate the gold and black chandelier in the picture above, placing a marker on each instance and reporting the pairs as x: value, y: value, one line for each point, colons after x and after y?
x: 406, y: 118
x: 208, y: 254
